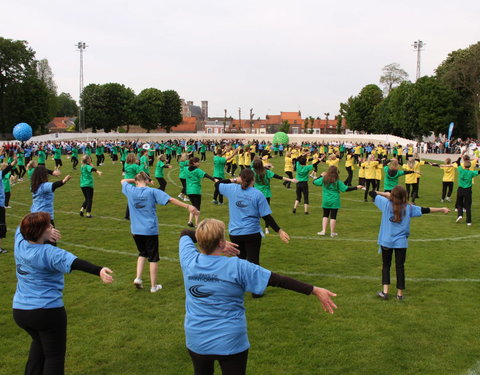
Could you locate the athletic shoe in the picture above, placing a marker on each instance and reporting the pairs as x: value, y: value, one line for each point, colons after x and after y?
x: 456, y: 209
x: 400, y: 298
x: 322, y: 233
x: 180, y: 196
x: 333, y: 234
x: 267, y: 231
x: 156, y: 288
x: 81, y: 213
x: 8, y: 207
x: 459, y: 219
x: 365, y: 200
x: 441, y: 200
x: 220, y: 203
x: 294, y: 211
x: 306, y: 213
x: 448, y: 199
x: 469, y: 224
x: 185, y: 199
x: 190, y: 224
x: 138, y: 283
x: 215, y: 202
x: 89, y: 216
x: 3, y: 251
x: 382, y: 295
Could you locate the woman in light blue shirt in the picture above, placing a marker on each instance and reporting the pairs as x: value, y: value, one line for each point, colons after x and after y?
x: 37, y: 304
x: 215, y: 285
x: 394, y: 232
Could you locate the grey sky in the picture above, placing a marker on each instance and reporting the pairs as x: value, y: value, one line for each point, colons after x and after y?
x: 272, y: 55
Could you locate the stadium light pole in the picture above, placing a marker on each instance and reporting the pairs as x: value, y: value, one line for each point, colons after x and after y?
x: 418, y: 47
x: 81, y: 114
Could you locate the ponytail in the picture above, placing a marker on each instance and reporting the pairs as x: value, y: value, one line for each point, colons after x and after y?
x: 247, y: 177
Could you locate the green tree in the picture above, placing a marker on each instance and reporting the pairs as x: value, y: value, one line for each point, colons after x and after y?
x: 339, y: 124
x: 285, y: 127
x: 359, y: 110
x: 147, y: 107
x: 117, y: 102
x: 95, y: 109
x: 45, y: 74
x: 392, y: 76
x: 312, y: 121
x: 66, y: 105
x: 16, y: 63
x: 461, y: 72
x: 171, y: 113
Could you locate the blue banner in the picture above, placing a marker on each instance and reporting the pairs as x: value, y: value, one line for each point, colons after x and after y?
x: 450, y: 130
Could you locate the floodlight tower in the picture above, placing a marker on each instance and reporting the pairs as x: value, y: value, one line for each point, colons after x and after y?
x: 418, y: 47
x: 81, y: 118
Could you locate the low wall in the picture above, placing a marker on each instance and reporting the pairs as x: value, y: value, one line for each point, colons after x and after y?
x: 294, y: 138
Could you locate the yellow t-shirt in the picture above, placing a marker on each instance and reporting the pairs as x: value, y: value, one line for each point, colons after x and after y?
x: 288, y: 164
x: 361, y: 172
x: 247, y: 159
x: 241, y: 159
x: 333, y: 162
x: 448, y: 174
x: 357, y: 150
x: 349, y: 161
x: 378, y: 171
x: 417, y: 166
x: 370, y: 170
x: 410, y: 178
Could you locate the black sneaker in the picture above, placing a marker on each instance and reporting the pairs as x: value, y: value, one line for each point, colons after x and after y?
x: 190, y: 224
x: 89, y: 216
x: 294, y: 211
x: 3, y: 251
x: 306, y: 213
x: 400, y: 298
x: 81, y: 213
x: 382, y: 295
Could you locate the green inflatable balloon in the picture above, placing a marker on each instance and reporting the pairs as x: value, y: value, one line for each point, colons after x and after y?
x: 280, y: 138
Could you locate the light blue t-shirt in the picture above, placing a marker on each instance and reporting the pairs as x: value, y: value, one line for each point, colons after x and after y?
x: 246, y: 207
x: 215, y: 321
x: 42, y: 199
x: 40, y: 270
x: 395, y: 235
x: 142, y: 203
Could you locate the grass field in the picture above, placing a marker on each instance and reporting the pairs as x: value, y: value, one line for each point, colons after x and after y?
x: 115, y: 329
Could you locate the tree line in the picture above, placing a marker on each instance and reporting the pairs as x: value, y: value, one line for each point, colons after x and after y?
x: 28, y: 93
x: 417, y: 109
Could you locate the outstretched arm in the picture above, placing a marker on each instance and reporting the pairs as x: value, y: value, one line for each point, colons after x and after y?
x: 189, y: 207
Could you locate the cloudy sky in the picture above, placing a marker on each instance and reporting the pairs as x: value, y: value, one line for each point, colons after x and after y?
x: 270, y: 55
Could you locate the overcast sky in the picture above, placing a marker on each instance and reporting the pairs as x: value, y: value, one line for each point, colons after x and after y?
x: 270, y: 55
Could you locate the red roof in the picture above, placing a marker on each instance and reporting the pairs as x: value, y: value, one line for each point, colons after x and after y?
x: 59, y: 122
x: 188, y: 125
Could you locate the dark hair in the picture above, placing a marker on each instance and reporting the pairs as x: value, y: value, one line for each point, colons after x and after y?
x: 331, y: 176
x: 302, y: 160
x: 247, y: 177
x: 398, y: 197
x: 260, y: 172
x: 34, y: 225
x: 193, y: 160
x: 39, y: 176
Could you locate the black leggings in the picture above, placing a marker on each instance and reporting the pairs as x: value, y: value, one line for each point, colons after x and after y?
x: 21, y: 171
x: 234, y: 168
x: 414, y: 190
x: 249, y: 246
x: 234, y: 364
x: 348, y: 181
x: 88, y: 194
x: 464, y: 201
x: 331, y: 213
x: 58, y: 163
x: 162, y: 182
x: 184, y: 185
x: 288, y: 183
x: 7, y: 198
x: 369, y: 182
x: 302, y: 189
x: 74, y: 161
x: 216, y: 193
x: 447, y: 186
x: 203, y: 156
x: 48, y: 329
x: 400, y: 257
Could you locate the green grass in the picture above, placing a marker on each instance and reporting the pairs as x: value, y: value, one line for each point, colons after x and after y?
x: 115, y: 329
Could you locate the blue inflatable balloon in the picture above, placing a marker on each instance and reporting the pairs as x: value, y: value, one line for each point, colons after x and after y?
x: 22, y: 132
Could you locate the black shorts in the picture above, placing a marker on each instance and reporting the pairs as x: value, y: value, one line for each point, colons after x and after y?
x: 195, y: 200
x: 3, y: 223
x: 331, y: 213
x: 147, y: 247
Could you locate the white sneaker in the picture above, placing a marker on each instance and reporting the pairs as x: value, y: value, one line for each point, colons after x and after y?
x: 469, y: 224
x: 180, y: 196
x: 156, y: 288
x: 459, y: 219
x: 322, y: 233
x: 448, y: 199
x: 441, y: 200
x: 138, y: 283
x: 185, y: 199
x: 333, y: 235
x: 267, y: 231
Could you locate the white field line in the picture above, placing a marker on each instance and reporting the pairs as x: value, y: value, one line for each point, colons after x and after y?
x: 315, y: 274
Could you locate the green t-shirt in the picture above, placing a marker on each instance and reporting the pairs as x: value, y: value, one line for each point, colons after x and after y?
x: 74, y: 152
x: 88, y: 151
x: 159, y: 169
x: 331, y: 193
x: 30, y: 172
x: 194, y: 180
x: 57, y: 153
x: 389, y: 181
x: 114, y: 150
x: 41, y: 157
x: 264, y: 186
x: 303, y: 171
x: 219, y: 167
x: 183, y: 165
x: 203, y: 148
x: 20, y: 159
x: 465, y: 177
x: 86, y: 178
x: 123, y: 154
x: 144, y: 164
x: 131, y: 170
x: 6, y: 182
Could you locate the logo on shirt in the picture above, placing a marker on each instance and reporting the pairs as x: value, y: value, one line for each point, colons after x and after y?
x: 197, y: 293
x: 241, y: 204
x: 20, y: 271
